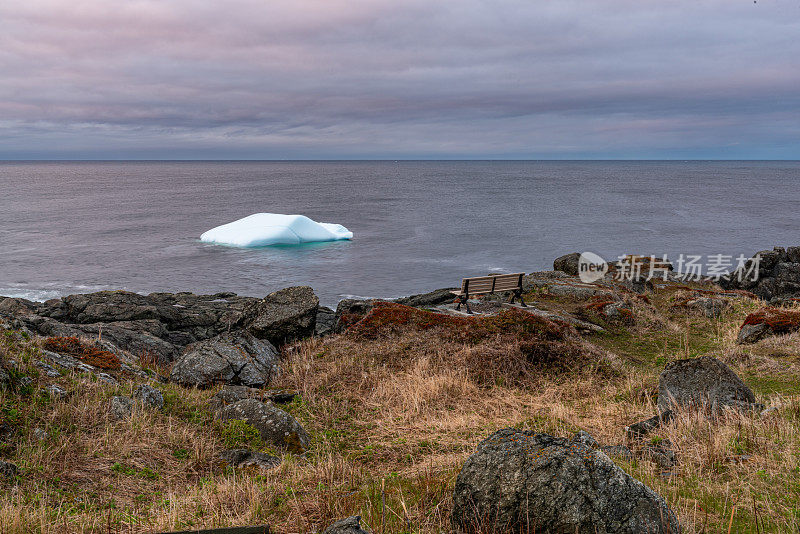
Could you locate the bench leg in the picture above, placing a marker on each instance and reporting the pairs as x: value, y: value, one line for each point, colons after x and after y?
x: 518, y: 294
x: 469, y: 310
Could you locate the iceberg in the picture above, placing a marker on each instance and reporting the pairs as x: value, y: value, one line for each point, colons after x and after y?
x: 264, y: 229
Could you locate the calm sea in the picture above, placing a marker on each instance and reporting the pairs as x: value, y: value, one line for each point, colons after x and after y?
x: 70, y: 227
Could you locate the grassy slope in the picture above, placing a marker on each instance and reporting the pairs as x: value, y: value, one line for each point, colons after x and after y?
x: 397, y: 416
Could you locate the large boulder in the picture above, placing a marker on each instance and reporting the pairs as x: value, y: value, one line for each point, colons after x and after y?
x: 276, y: 426
x: 232, y: 358
x: 568, y: 263
x: 282, y: 316
x: 768, y: 321
x: 520, y: 481
x: 350, y: 311
x: 773, y: 275
x: 703, y: 382
x: 430, y: 299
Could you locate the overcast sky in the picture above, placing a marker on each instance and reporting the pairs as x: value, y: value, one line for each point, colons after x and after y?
x: 310, y: 79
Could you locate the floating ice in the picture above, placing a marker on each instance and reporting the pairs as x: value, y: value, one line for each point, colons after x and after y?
x: 262, y: 229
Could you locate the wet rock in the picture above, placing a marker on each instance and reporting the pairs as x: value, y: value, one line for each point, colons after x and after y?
x: 702, y: 383
x: 276, y: 426
x: 348, y: 525
x: 524, y: 482
x: 242, y: 458
x: 568, y: 263
x: 283, y: 316
x: 149, y: 396
x: 234, y: 358
x: 121, y: 407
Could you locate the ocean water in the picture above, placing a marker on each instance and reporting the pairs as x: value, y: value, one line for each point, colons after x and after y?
x: 71, y: 227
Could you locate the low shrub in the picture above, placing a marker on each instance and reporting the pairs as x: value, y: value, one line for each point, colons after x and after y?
x: 83, y: 351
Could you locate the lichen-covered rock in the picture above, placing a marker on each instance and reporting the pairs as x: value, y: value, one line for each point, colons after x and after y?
x: 348, y: 525
x: 231, y: 358
x: 121, y: 407
x: 568, y: 263
x: 703, y: 382
x: 282, y: 316
x: 149, y: 396
x: 276, y: 426
x: 521, y: 481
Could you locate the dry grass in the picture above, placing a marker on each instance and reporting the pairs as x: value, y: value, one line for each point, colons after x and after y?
x: 394, y: 409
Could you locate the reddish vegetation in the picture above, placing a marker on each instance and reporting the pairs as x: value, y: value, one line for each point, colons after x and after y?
x: 513, y: 346
x: 712, y: 292
x: 387, y: 318
x: 778, y: 320
x: 85, y: 352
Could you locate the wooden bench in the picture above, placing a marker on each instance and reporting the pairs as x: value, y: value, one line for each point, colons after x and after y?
x: 483, y: 285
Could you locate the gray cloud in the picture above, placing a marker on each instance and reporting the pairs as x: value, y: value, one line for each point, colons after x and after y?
x: 389, y: 79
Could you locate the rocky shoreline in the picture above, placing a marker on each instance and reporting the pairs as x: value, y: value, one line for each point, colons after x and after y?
x: 236, y: 346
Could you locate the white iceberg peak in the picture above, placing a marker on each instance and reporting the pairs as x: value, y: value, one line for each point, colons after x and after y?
x: 263, y: 229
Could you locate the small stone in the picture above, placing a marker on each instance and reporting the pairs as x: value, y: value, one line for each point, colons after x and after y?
x: 244, y: 458
x: 107, y: 379
x: 8, y: 470
x: 40, y: 434
x: 348, y: 525
x: 55, y: 391
x: 25, y: 381
x: 642, y: 428
x: 121, y: 407
x: 84, y: 368
x: 772, y: 410
x: 48, y: 370
x: 150, y: 396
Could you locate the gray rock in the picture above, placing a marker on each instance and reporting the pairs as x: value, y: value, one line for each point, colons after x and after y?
x: 283, y: 316
x: 750, y: 333
x: 230, y: 394
x: 276, y: 427
x: 584, y: 437
x: 642, y: 428
x: 121, y: 407
x: 8, y: 470
x: 107, y: 379
x: 618, y: 451
x: 778, y: 275
x: 430, y: 299
x: 709, y: 306
x: 527, y: 482
x: 578, y: 291
x: 62, y: 360
x: 149, y: 396
x: 772, y: 410
x: 540, y: 279
x: 703, y: 382
x: 25, y: 381
x: 56, y: 392
x: 567, y: 263
x: 326, y: 321
x: 40, y: 434
x: 48, y: 370
x: 242, y: 458
x: 661, y: 454
x: 234, y: 358
x: 348, y: 525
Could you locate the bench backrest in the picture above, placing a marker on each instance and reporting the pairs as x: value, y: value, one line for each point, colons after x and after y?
x: 490, y: 284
